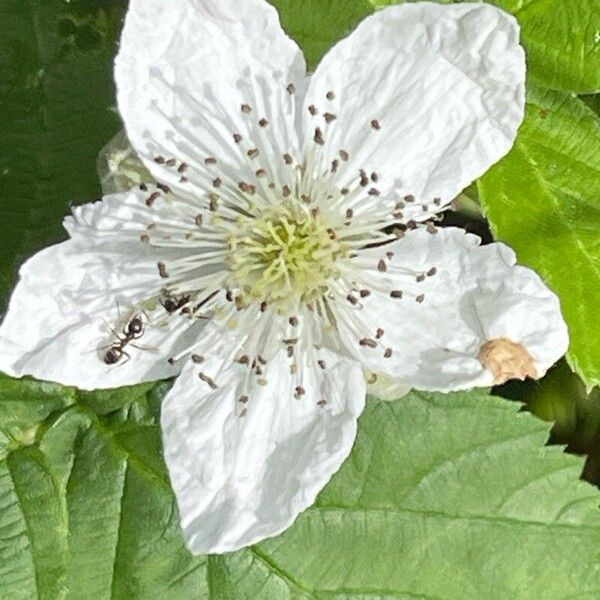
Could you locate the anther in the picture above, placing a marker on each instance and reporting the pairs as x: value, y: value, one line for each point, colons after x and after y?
x: 364, y: 180
x: 152, y: 198
x: 349, y: 213
x: 164, y: 187
x: 198, y: 220
x: 375, y: 124
x: 319, y: 137
x: 237, y: 138
x: 387, y: 353
x: 329, y: 117
x: 437, y: 201
x: 431, y: 272
x: 352, y: 299
x: 243, y: 360
x: 379, y: 333
x: 171, y: 162
x: 210, y: 161
x: 374, y: 177
x: 321, y: 403
x: 420, y: 298
x: 334, y: 166
x: 263, y: 306
x: 300, y: 391
x: 197, y: 358
x: 344, y: 155
x: 330, y: 95
x: 261, y: 173
x: 217, y: 182
x: 183, y: 167
x: 288, y: 159
x: 162, y: 270
x: 144, y: 238
x: 143, y: 187
x: 290, y: 351
x: 253, y: 153
x: 263, y: 122
x: 322, y: 364
x: 213, y: 203
x: 420, y: 278
x: 368, y: 342
x: 409, y: 198
x: 381, y: 266
x: 293, y: 321
x: 286, y: 191
x: 431, y: 228
x: 396, y: 294
x: 243, y: 399
x: 313, y: 110
x: 247, y: 187
x: 364, y: 293
x: 159, y: 160
x: 208, y: 380
x: 246, y: 108
x: 291, y: 88
x: 374, y: 192
x: 344, y: 191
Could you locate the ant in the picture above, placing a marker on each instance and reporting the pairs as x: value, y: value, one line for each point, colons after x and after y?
x: 133, y: 330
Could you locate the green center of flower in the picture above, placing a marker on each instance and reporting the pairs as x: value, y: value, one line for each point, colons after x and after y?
x: 285, y: 257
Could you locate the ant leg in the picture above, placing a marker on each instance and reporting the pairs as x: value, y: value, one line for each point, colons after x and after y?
x: 109, y: 326
x: 127, y: 358
x: 145, y: 348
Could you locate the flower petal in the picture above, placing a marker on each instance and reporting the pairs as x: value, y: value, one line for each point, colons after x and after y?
x: 184, y: 71
x: 239, y: 479
x: 436, y: 300
x: 426, y: 96
x: 73, y: 300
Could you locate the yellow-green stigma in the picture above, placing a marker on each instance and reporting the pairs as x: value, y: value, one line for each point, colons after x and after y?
x: 286, y: 257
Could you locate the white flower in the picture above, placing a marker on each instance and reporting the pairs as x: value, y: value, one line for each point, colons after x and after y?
x: 288, y: 246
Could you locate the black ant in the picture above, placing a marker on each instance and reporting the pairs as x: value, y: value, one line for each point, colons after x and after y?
x: 132, y: 331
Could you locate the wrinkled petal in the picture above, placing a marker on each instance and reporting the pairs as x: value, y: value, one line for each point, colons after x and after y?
x: 242, y: 471
x: 436, y: 300
x: 183, y: 73
x: 74, y: 299
x: 425, y: 96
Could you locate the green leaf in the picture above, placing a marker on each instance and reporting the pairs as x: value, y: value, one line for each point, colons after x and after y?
x: 444, y: 496
x: 87, y: 512
x: 317, y: 25
x: 543, y: 199
x: 561, y: 38
x: 57, y: 93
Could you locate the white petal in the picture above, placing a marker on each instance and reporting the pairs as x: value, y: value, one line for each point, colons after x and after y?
x: 239, y: 479
x: 476, y: 295
x: 73, y: 299
x: 183, y: 72
x: 445, y: 85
